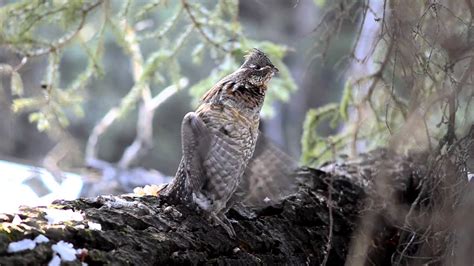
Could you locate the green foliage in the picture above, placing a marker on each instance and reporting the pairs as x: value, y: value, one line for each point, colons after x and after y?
x: 198, y: 31
x: 17, y: 84
x: 23, y: 104
x: 315, y: 147
x: 319, y: 3
x: 346, y: 100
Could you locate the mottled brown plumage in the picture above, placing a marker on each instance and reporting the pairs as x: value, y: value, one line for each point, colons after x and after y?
x: 219, y: 138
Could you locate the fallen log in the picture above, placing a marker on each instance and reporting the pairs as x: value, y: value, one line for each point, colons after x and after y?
x: 352, y: 212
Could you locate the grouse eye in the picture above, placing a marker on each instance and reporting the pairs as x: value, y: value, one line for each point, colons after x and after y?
x: 253, y: 66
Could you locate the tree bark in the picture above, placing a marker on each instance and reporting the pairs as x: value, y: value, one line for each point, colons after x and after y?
x: 352, y: 212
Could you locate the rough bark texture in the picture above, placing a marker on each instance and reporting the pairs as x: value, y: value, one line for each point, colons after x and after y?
x: 343, y: 211
x: 146, y: 231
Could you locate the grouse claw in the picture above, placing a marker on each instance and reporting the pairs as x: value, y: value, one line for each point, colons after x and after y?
x: 225, y: 223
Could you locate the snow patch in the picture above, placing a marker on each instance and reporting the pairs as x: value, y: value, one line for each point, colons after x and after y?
x: 26, y: 244
x: 56, y: 216
x: 16, y: 220
x: 55, y: 261
x: 94, y: 226
x: 65, y: 250
x: 41, y: 239
x: 21, y: 245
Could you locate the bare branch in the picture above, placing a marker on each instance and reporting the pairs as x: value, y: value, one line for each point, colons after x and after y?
x: 156, y: 101
x: 143, y: 141
x: 144, y: 130
x: 99, y: 129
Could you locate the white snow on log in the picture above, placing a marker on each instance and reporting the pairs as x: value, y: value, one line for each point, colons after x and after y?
x: 94, y: 226
x: 56, y: 216
x: 21, y: 245
x: 55, y: 261
x: 65, y: 250
x: 16, y: 220
x: 26, y: 244
x: 41, y: 239
x: 470, y: 176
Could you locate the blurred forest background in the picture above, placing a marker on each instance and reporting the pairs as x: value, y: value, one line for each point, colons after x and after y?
x: 89, y: 85
x: 281, y: 29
